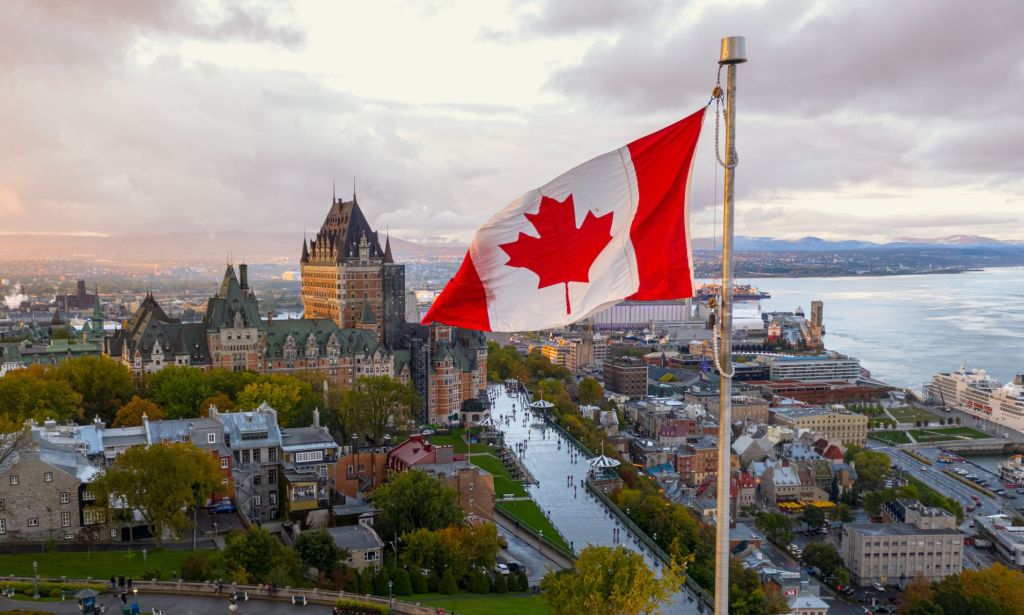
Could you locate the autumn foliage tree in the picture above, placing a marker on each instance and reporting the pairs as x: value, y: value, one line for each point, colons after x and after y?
x: 37, y: 393
x: 377, y: 403
x: 130, y: 414
x: 610, y: 580
x: 161, y: 481
x: 104, y: 384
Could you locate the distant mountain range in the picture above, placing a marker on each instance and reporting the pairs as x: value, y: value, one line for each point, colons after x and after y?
x: 256, y: 247
x: 816, y: 244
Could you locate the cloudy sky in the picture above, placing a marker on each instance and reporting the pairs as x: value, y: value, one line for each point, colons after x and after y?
x: 871, y: 119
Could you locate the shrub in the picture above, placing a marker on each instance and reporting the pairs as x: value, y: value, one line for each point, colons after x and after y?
x: 500, y: 584
x: 366, y: 582
x: 196, y: 567
x: 360, y: 607
x: 434, y: 582
x: 403, y: 584
x: 419, y: 583
x: 380, y: 582
x: 478, y: 583
x: 524, y: 583
x: 447, y: 584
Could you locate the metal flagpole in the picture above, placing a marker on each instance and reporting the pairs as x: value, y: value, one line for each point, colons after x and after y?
x: 733, y: 53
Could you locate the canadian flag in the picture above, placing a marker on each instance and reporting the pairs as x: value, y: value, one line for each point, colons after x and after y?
x: 613, y: 228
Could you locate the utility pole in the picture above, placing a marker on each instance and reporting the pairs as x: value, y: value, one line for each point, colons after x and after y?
x: 733, y: 52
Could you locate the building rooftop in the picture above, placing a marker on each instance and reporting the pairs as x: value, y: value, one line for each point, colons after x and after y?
x: 355, y: 537
x: 895, y: 529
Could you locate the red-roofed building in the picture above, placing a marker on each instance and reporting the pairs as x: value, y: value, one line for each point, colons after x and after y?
x: 676, y: 431
x: 742, y: 490
x: 418, y: 451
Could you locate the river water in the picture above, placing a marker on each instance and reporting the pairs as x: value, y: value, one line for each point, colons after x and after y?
x: 904, y: 329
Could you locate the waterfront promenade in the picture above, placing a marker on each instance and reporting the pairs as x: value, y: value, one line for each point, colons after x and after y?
x: 581, y: 518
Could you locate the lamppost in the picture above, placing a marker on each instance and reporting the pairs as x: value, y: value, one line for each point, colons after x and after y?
x: 391, y: 602
x: 35, y: 571
x: 144, y: 554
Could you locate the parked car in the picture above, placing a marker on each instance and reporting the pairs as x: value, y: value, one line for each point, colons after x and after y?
x: 502, y: 540
x: 501, y: 569
x: 220, y: 508
x: 878, y: 586
x: 849, y: 590
x: 515, y: 567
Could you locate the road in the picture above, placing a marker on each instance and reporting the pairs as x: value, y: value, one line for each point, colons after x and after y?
x: 170, y: 605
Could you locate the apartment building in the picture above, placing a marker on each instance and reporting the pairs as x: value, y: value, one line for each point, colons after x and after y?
x: 626, y: 376
x: 891, y: 553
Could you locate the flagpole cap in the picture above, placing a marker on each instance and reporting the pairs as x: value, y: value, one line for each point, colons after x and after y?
x: 734, y: 50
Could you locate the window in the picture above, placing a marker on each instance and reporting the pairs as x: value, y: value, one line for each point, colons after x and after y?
x: 272, y: 455
x: 224, y: 481
x: 307, y: 457
x: 272, y: 476
x: 33, y: 522
x: 65, y: 519
x: 257, y: 500
x: 1, y: 505
x: 370, y: 556
x: 350, y: 473
x: 245, y: 456
x: 92, y: 517
x: 3, y: 526
x: 257, y: 455
x: 14, y: 479
x: 65, y: 497
x: 224, y: 463
x: 257, y: 480
x: 48, y: 477
x: 211, y: 438
x: 273, y: 498
x: 88, y: 496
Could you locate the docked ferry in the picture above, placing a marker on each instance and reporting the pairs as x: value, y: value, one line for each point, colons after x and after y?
x: 740, y: 292
x: 980, y: 395
x: 1012, y: 469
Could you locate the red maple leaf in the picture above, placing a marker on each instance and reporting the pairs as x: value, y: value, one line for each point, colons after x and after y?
x: 562, y: 253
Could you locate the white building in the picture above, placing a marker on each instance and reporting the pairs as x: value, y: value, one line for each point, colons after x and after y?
x: 979, y: 395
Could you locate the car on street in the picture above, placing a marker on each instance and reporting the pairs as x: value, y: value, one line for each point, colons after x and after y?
x: 849, y: 590
x: 502, y: 569
x: 502, y: 540
x: 515, y: 567
x: 878, y: 586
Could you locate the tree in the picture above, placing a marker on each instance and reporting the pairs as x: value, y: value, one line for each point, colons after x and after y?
x: 590, y: 392
x: 293, y: 399
x: 448, y: 585
x: 104, y: 384
x: 824, y: 556
x: 34, y: 393
x: 130, y: 414
x: 262, y: 557
x: 851, y: 452
x: 220, y: 400
x: 609, y: 580
x: 813, y: 516
x: 874, y: 500
x: 776, y: 526
x: 376, y: 403
x: 842, y: 513
x: 158, y: 482
x: 413, y: 500
x: 178, y: 390
x: 317, y: 549
x: 872, y: 467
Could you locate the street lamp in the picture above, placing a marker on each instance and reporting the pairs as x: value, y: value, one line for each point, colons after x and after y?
x: 35, y: 571
x: 391, y: 602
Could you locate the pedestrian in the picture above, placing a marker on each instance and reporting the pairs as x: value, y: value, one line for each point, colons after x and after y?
x: 124, y: 597
x: 120, y: 582
x: 129, y: 582
x: 113, y: 583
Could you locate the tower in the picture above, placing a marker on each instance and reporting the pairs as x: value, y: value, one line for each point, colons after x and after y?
x: 817, y: 329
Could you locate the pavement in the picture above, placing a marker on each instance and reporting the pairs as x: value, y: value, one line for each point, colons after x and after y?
x: 169, y: 605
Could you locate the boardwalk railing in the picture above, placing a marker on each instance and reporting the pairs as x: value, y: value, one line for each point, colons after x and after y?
x: 245, y: 592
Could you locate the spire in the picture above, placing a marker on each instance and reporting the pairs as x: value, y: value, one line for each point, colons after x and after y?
x: 353, y: 188
x: 388, y: 258
x: 367, y: 317
x: 305, y: 249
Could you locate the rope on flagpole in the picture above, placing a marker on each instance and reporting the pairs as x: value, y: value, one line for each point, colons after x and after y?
x: 717, y: 94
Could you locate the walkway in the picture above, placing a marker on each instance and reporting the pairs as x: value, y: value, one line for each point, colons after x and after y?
x: 581, y: 518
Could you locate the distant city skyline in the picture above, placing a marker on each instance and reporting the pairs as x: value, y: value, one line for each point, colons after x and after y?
x: 867, y: 120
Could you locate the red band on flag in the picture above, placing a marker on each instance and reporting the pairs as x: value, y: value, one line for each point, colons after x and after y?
x: 463, y: 301
x: 663, y: 161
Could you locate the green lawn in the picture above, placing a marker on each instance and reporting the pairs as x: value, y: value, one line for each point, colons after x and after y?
x: 912, y: 415
x: 503, y: 481
x: 456, y: 441
x: 940, y: 434
x: 484, y: 604
x: 530, y: 515
x: 99, y: 565
x: 892, y: 437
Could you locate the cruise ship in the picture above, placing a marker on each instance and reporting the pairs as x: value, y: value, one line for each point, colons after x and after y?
x: 978, y: 394
x: 740, y: 292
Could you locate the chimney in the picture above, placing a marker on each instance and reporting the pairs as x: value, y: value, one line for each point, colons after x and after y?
x: 243, y: 276
x: 316, y: 417
x: 270, y: 317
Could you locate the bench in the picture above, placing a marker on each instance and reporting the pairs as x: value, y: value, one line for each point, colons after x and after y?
x: 243, y: 596
x: 300, y: 600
